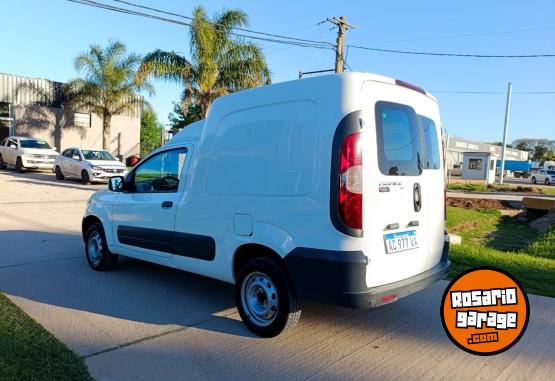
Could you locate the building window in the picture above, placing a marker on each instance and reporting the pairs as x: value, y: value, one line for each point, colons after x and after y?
x: 475, y: 164
x: 81, y: 120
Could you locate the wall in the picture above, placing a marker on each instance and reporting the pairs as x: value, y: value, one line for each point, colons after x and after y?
x: 38, y: 112
x: 56, y: 127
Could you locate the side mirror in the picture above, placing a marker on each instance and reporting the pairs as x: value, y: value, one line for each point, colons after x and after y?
x: 76, y: 157
x: 116, y: 183
x: 13, y: 146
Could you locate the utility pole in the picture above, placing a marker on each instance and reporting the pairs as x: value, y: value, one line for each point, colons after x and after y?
x: 507, y: 110
x: 342, y: 27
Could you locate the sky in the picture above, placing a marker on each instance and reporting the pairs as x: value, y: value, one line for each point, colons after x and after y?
x: 41, y: 39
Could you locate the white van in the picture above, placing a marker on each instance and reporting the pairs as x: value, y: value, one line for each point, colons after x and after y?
x: 329, y: 188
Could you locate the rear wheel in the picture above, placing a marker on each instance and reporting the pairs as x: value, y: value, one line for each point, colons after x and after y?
x: 59, y: 174
x: 2, y: 164
x: 96, y: 249
x: 19, y: 165
x: 85, y: 177
x: 534, y: 180
x: 265, y: 298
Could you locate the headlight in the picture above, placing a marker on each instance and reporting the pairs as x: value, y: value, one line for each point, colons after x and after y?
x: 96, y: 168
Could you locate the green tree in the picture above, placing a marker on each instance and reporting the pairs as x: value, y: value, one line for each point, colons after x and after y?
x: 219, y: 63
x: 179, y: 118
x: 108, y: 85
x: 151, y: 131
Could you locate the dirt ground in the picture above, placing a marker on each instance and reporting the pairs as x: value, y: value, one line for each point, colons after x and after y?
x: 476, y: 203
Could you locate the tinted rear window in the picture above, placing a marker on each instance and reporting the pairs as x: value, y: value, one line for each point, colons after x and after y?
x: 407, y: 142
x: 430, y: 143
x: 399, y: 143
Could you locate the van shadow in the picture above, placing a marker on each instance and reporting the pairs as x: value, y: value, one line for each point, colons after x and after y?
x: 147, y: 293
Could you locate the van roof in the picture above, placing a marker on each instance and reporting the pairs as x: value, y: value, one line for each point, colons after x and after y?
x: 192, y: 132
x: 322, y: 81
x: 189, y: 134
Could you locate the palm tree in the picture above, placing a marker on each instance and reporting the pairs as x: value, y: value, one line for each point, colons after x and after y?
x: 108, y: 85
x: 219, y: 64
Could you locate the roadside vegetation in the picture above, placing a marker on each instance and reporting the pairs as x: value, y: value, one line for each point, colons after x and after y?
x: 481, y: 187
x: 219, y: 63
x: 509, y: 243
x: 29, y: 352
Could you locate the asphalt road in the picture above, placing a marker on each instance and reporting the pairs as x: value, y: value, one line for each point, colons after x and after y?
x: 146, y: 322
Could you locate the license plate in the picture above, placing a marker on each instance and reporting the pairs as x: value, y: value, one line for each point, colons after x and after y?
x: 401, y: 241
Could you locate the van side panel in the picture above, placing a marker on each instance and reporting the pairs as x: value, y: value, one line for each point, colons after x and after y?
x: 267, y: 151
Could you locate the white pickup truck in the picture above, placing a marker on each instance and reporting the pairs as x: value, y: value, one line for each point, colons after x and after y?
x: 26, y: 153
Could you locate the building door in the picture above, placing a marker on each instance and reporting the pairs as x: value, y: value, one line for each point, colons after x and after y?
x: 6, y: 120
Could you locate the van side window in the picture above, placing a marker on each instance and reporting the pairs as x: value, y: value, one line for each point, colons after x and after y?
x: 160, y: 173
x: 399, y: 147
x: 430, y: 143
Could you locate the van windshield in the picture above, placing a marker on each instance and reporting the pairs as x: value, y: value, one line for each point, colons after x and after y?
x: 407, y: 142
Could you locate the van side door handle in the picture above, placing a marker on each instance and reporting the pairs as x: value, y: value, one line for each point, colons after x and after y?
x: 417, y: 197
x: 167, y: 204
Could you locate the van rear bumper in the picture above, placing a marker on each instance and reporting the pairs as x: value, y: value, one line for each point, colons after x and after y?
x: 339, y: 278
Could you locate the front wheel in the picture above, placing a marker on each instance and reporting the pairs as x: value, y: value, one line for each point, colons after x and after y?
x: 96, y: 249
x: 265, y: 298
x: 85, y: 177
x: 19, y: 165
x: 534, y: 180
x: 547, y: 182
x: 59, y: 174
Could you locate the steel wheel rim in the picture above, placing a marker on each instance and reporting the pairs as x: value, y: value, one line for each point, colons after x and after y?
x: 94, y: 247
x: 259, y: 298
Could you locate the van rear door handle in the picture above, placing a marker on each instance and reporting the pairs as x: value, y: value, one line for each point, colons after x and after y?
x: 417, y: 197
x: 167, y: 204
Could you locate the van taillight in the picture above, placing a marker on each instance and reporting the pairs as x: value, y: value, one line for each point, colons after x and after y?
x: 350, y: 181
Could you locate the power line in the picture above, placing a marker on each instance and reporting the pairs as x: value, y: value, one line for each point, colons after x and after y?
x: 452, y: 54
x: 467, y: 35
x: 96, y: 4
x: 286, y: 40
x: 236, y: 28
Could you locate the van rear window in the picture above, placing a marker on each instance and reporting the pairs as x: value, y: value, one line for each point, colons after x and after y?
x: 399, y: 142
x: 430, y: 143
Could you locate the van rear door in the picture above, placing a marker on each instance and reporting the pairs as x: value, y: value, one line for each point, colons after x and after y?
x: 402, y: 183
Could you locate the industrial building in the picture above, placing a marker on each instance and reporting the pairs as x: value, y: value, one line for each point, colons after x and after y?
x: 455, y: 147
x: 35, y: 107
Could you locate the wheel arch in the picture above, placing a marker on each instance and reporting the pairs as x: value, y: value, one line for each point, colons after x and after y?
x: 249, y: 251
x: 87, y: 222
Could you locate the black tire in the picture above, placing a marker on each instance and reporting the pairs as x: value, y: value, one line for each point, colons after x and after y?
x: 85, y: 177
x: 547, y: 182
x: 19, y: 165
x: 279, y: 306
x: 96, y: 249
x: 59, y: 174
x: 534, y: 180
x: 2, y: 164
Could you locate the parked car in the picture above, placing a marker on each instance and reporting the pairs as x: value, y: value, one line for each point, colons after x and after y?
x: 544, y: 176
x: 89, y: 165
x: 329, y: 189
x: 26, y: 153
